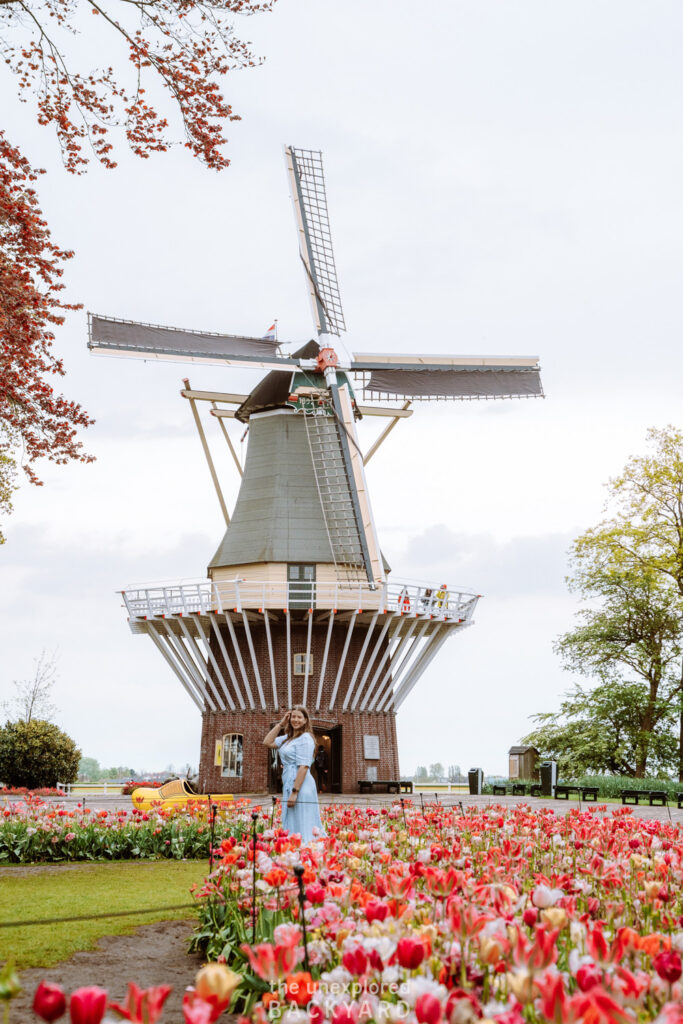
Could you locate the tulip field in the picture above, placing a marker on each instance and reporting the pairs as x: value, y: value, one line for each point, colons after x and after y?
x: 444, y: 916
x: 504, y: 914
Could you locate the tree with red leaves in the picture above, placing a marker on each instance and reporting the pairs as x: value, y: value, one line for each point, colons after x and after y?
x: 183, y: 45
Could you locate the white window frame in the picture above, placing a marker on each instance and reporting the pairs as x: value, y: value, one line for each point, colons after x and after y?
x: 233, y: 755
x: 299, y: 664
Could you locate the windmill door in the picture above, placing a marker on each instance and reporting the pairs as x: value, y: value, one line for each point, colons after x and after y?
x: 301, y: 583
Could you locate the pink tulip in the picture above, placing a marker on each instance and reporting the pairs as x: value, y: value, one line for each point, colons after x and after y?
x: 143, y: 1006
x: 315, y: 893
x: 587, y: 976
x: 88, y: 1005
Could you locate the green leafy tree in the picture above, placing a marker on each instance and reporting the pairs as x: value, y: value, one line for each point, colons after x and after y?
x: 89, y: 770
x: 37, y: 754
x: 436, y: 770
x: 421, y: 772
x: 629, y: 569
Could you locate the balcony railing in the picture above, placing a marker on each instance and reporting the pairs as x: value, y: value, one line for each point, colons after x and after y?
x: 203, y: 596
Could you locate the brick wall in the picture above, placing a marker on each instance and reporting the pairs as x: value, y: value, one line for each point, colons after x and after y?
x: 253, y: 724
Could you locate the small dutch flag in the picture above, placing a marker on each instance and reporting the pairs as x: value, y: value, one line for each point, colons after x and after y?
x: 271, y: 333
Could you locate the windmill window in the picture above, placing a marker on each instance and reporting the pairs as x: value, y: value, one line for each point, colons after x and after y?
x: 232, y: 756
x: 300, y: 668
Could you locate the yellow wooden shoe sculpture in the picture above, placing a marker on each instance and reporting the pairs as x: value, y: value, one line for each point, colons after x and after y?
x: 176, y: 793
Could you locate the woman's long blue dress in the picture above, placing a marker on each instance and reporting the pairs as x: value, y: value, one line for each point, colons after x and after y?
x: 305, y: 815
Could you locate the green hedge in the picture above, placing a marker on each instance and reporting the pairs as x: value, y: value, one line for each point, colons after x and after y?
x: 608, y: 785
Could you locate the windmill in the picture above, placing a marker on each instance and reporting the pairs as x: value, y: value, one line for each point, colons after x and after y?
x: 299, y: 605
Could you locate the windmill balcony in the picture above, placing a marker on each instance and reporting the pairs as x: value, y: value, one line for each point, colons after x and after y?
x: 204, y: 597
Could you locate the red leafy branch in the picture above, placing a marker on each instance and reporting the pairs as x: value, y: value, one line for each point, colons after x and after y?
x: 30, y: 307
x: 186, y: 45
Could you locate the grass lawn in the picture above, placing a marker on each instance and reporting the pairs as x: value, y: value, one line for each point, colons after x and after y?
x: 87, y: 890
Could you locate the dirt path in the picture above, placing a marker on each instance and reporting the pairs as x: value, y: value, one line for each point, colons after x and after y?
x: 155, y: 955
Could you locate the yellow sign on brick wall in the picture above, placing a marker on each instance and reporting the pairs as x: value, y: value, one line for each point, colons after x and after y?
x: 218, y: 753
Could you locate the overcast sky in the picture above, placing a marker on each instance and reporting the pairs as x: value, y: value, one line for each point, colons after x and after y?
x: 502, y: 178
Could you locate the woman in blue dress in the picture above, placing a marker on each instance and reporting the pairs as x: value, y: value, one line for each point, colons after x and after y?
x: 300, y: 811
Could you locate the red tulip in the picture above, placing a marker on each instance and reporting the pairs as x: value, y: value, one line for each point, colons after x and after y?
x: 88, y: 1005
x: 344, y: 1014
x: 428, y: 1008
x: 355, y: 960
x: 49, y: 1001
x: 410, y: 953
x: 315, y: 893
x: 668, y: 966
x: 375, y: 910
x: 530, y: 917
x: 587, y: 976
x: 143, y: 1006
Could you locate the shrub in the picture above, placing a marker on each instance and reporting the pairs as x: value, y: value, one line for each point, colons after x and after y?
x: 37, y: 754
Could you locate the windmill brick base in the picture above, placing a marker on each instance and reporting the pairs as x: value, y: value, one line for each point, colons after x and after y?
x: 347, y: 759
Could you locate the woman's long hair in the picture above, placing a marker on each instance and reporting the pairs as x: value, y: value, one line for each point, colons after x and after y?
x: 307, y: 726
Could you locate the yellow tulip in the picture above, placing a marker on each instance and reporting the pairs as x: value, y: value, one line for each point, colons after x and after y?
x: 522, y: 986
x: 555, y: 917
x: 490, y: 950
x: 216, y: 980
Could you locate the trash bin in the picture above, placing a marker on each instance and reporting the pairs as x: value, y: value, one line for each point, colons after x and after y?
x: 475, y: 777
x: 548, y: 777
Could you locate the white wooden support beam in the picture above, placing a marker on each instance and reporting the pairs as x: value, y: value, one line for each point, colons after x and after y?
x: 388, y: 655
x: 366, y: 642
x: 330, y: 626
x: 387, y: 411
x: 175, y: 665
x: 219, y: 413
x: 371, y: 662
x: 228, y: 664
x: 190, y: 666
x: 308, y: 655
x: 207, y: 453
x: 240, y: 662
x: 212, y: 658
x: 395, y: 668
x: 436, y: 641
x: 201, y: 663
x: 252, y: 652
x: 273, y: 677
x: 387, y: 430
x: 342, y: 660
x: 229, y: 398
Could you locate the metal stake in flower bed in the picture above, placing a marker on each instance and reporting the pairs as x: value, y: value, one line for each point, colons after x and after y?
x: 403, y: 808
x: 422, y: 802
x: 299, y: 872
x: 254, y: 818
x: 212, y: 832
x: 272, y: 813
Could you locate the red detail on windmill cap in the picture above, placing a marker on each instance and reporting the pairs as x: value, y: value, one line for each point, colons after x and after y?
x: 327, y: 357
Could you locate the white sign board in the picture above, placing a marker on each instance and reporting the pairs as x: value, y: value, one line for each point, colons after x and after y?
x: 371, y: 747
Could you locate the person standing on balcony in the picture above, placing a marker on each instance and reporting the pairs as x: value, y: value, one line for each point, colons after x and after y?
x: 300, y: 810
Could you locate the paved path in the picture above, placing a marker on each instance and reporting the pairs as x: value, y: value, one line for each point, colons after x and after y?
x: 671, y: 813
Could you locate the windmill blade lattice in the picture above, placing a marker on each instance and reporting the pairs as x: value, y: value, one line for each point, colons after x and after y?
x: 307, y: 177
x: 433, y: 378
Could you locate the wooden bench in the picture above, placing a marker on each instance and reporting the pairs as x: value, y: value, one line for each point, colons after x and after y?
x: 500, y: 790
x: 563, y: 790
x: 390, y: 785
x: 519, y: 789
x: 536, y: 789
x: 656, y: 797
x: 587, y: 793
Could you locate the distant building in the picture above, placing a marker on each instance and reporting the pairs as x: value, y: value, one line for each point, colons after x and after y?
x: 523, y: 762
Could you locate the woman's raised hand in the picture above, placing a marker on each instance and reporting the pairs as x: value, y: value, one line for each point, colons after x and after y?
x: 285, y: 720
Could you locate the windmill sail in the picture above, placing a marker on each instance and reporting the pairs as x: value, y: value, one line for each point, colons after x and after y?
x: 305, y: 167
x: 448, y: 377
x: 110, y: 336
